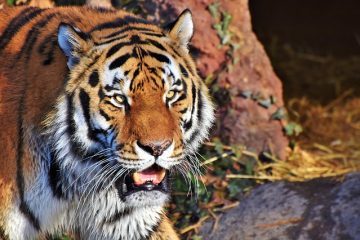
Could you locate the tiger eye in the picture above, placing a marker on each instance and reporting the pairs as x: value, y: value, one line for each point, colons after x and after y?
x: 170, y: 94
x: 119, y: 99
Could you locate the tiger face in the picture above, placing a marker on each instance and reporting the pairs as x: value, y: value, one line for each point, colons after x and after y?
x: 135, y: 109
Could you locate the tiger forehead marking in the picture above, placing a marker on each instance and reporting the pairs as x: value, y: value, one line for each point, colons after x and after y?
x: 106, y: 106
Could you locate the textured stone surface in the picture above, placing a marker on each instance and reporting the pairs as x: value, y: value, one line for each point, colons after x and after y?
x: 319, y: 209
x: 241, y: 120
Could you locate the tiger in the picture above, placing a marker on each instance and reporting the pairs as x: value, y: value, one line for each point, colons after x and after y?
x: 99, y: 109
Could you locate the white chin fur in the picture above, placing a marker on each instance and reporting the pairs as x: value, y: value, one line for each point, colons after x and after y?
x: 147, y: 199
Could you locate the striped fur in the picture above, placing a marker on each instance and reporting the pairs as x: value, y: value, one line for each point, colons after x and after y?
x: 80, y: 90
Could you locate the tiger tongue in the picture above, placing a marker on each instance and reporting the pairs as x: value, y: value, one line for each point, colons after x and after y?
x: 149, y: 175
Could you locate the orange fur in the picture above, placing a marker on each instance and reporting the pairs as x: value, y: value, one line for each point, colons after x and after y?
x: 32, y: 77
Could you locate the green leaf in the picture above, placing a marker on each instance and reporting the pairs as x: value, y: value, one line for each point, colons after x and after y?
x: 234, y: 189
x: 249, y: 167
x: 246, y: 93
x: 226, y: 21
x: 10, y: 2
x: 214, y: 10
x: 293, y: 129
x: 219, y: 146
x: 265, y: 103
x: 196, y: 237
x: 279, y: 114
x: 237, y: 150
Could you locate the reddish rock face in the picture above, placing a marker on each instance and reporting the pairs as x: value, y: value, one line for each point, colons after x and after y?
x: 245, y: 75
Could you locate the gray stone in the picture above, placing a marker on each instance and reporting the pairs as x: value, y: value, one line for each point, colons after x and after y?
x: 317, y: 209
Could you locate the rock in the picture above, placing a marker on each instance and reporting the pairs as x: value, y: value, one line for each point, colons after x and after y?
x: 242, y: 120
x: 318, y: 209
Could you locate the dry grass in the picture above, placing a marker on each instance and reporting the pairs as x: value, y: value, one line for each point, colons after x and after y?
x: 329, y: 146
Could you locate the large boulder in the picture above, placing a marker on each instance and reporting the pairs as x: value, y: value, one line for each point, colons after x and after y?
x: 318, y: 209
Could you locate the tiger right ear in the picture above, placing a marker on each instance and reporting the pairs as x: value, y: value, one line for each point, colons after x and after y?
x: 182, y: 29
x: 72, y: 42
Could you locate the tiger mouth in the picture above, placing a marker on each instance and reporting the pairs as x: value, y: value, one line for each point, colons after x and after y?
x: 154, y: 178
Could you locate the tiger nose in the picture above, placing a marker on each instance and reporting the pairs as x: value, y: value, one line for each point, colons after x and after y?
x: 154, y: 148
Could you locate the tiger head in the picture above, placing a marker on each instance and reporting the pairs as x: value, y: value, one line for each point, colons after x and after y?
x: 134, y: 107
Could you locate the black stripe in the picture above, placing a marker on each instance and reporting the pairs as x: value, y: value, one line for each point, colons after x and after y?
x: 177, y: 82
x: 199, y: 107
x: 16, y: 24
x: 94, y: 78
x: 175, y: 51
x: 193, y: 91
x: 47, y: 48
x: 111, y: 40
x: 145, y: 31
x: 183, y: 111
x: 109, y: 88
x: 102, y: 113
x: 153, y: 34
x: 185, y: 86
x: 188, y: 67
x: 116, y: 81
x: 118, y: 62
x: 193, y: 136
x: 101, y: 93
x: 188, y: 125
x: 24, y: 208
x: 32, y: 36
x: 154, y: 229
x: 162, y: 70
x: 182, y: 97
x: 159, y: 57
x: 125, y: 29
x: 135, y: 39
x: 118, y: 216
x: 54, y: 177
x: 154, y: 81
x: 115, y: 48
x: 119, y: 22
x: 156, y: 44
x: 126, y: 35
x: 71, y: 127
x: 118, y: 46
x: 184, y: 71
x: 85, y: 105
x: 136, y: 73
x: 81, y: 75
x: 70, y: 116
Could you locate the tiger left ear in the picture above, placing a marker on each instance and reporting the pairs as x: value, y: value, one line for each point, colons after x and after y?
x: 183, y: 28
x: 72, y: 42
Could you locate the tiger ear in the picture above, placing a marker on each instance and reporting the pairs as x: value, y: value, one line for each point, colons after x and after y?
x: 72, y: 42
x: 182, y: 28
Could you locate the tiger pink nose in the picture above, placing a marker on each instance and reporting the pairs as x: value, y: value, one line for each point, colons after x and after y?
x: 155, y: 148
